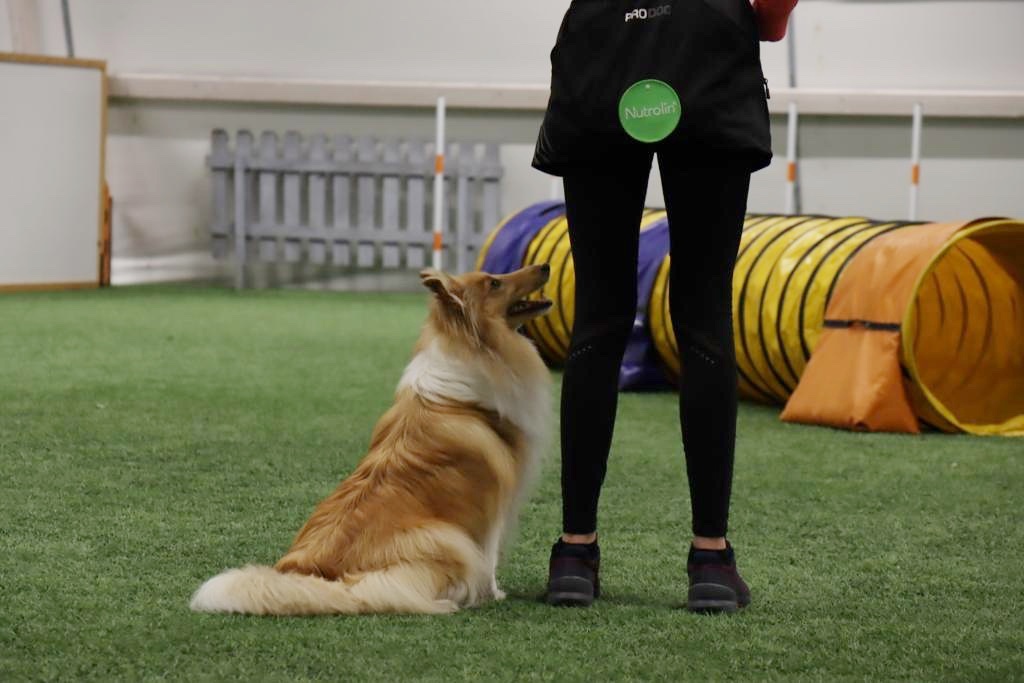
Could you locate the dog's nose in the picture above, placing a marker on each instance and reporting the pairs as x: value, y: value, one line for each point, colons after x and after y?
x: 545, y: 268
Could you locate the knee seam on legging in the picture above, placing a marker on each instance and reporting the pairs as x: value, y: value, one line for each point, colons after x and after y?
x: 710, y: 360
x: 579, y: 352
x: 613, y: 341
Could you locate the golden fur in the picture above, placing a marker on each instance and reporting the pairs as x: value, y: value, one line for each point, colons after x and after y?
x: 418, y: 526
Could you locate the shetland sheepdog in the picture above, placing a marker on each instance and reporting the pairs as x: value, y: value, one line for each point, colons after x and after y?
x: 418, y: 526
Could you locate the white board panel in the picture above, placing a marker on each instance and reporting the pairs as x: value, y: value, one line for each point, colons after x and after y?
x: 51, y: 158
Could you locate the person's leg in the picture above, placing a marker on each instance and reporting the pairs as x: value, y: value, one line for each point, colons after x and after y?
x: 706, y: 207
x: 604, y: 207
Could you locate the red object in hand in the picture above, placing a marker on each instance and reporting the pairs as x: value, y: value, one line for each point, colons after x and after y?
x: 772, y: 18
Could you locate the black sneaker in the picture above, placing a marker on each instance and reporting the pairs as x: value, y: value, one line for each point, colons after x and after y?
x: 715, y: 585
x: 573, y: 574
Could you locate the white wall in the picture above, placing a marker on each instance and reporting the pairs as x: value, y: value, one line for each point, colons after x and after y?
x: 156, y: 149
x: 970, y: 44
x: 851, y: 43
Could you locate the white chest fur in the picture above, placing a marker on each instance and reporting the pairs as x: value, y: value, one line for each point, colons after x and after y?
x: 521, y: 396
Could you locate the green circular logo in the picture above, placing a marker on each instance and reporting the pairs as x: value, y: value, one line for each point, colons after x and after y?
x: 650, y: 110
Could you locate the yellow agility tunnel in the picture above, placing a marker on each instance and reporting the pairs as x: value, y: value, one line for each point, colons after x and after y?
x: 786, y: 269
x: 926, y: 325
x: 855, y: 323
x: 540, y: 234
x: 877, y: 326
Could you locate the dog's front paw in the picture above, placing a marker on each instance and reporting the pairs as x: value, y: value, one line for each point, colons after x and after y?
x: 496, y: 592
x: 445, y: 606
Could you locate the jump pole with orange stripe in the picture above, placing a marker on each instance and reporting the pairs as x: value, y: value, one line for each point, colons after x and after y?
x: 915, y: 160
x: 791, y: 133
x: 439, y: 186
x: 792, y: 125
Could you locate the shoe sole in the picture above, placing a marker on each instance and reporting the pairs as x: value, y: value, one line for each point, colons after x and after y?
x: 713, y: 598
x: 570, y: 591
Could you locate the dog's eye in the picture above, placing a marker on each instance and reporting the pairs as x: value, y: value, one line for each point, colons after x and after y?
x: 495, y: 284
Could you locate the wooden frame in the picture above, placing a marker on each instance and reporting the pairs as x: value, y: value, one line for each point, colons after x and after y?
x: 103, y: 231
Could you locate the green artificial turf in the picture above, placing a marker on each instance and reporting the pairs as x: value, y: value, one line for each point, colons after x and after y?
x: 151, y: 437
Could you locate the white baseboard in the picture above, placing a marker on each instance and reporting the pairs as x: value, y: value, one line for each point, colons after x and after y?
x: 197, y: 265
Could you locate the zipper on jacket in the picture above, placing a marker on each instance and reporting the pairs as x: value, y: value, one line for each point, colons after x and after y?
x: 767, y: 92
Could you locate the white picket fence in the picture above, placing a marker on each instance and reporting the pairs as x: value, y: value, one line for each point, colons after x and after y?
x: 352, y: 203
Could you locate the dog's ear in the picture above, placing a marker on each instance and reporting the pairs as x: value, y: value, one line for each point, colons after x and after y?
x: 444, y: 287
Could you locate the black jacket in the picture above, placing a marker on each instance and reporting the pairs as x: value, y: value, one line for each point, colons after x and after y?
x: 707, y: 50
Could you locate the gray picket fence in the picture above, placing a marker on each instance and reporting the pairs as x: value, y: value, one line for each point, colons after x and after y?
x: 346, y: 202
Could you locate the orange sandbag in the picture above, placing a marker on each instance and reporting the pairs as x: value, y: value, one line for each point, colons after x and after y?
x: 854, y: 378
x: 864, y: 390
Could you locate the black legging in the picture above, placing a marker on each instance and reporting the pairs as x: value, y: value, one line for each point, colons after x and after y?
x: 705, y: 207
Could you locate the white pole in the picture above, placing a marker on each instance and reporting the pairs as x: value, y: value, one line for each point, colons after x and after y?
x: 793, y: 190
x: 439, y: 186
x: 791, y: 160
x: 915, y: 160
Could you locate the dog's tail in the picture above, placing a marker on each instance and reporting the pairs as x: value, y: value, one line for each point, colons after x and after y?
x: 401, y: 589
x: 264, y: 590
x: 443, y: 569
